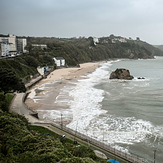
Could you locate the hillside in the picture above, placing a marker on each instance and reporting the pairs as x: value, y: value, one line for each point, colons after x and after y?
x: 24, y: 66
x: 155, y: 50
x: 79, y: 50
x: 20, y: 142
x: 159, y: 47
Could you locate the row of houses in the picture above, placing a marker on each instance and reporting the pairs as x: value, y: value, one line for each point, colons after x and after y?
x: 42, y: 46
x: 12, y: 45
x: 120, y: 39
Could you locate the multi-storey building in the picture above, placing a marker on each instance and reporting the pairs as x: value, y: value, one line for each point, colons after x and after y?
x: 4, y: 48
x: 21, y: 44
x: 4, y: 39
x: 11, y: 45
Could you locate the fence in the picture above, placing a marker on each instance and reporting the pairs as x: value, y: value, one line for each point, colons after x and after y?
x: 125, y: 156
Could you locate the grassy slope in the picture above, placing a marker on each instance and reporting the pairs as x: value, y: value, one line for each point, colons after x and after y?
x: 20, y: 142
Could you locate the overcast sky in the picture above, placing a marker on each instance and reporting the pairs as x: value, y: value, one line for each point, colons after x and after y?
x: 74, y: 18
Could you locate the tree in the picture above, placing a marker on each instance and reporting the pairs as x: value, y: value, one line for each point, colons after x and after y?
x: 91, y: 41
x: 10, y: 82
x: 29, y: 48
x: 32, y: 61
x: 3, y: 102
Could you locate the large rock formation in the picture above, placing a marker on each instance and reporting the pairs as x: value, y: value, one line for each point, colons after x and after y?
x: 121, y: 74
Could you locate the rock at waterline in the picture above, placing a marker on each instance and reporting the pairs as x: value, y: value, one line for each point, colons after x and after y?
x: 141, y: 78
x: 121, y: 73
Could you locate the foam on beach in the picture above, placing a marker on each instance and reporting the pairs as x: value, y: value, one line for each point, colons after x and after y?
x: 57, y: 115
x: 86, y: 101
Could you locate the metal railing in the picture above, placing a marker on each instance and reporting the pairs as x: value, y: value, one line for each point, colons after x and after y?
x: 125, y: 156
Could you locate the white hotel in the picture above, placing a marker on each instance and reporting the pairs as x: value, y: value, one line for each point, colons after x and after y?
x: 11, y: 45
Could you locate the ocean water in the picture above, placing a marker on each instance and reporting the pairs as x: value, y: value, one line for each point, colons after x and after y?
x: 127, y: 115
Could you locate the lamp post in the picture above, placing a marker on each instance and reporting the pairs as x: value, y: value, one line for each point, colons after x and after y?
x: 154, y: 155
x: 61, y: 122
x: 75, y: 142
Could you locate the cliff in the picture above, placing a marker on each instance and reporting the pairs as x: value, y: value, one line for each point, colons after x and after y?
x: 159, y: 47
x: 80, y: 50
x: 156, y: 51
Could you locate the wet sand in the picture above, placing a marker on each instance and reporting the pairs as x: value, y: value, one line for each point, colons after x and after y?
x: 61, y: 77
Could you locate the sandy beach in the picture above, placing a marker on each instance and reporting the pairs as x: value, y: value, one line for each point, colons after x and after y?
x: 62, y: 77
x: 71, y: 73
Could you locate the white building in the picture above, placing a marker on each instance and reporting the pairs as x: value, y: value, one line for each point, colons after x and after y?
x: 15, y: 44
x: 9, y: 40
x: 59, y: 61
x: 4, y: 40
x: 12, y: 44
x: 4, y: 49
x: 21, y: 44
x: 122, y: 40
x: 42, y: 46
x: 95, y: 40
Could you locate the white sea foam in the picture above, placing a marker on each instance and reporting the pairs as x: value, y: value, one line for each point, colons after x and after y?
x: 121, y: 130
x: 55, y: 115
x: 141, y: 80
x: 32, y: 94
x: 86, y: 99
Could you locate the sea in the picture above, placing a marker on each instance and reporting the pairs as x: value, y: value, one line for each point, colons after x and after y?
x: 126, y: 114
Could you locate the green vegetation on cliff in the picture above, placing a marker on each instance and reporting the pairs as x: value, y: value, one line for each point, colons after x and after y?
x: 159, y: 47
x: 5, y: 101
x: 21, y: 68
x: 156, y: 51
x: 21, y: 143
x: 10, y: 82
x: 80, y: 50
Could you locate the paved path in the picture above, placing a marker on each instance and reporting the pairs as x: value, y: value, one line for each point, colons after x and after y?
x: 33, y: 82
x: 19, y: 107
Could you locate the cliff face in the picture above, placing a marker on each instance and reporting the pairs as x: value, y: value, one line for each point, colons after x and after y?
x: 156, y: 51
x: 159, y: 47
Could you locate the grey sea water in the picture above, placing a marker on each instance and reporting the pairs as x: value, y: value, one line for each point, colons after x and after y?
x: 135, y: 108
x: 127, y: 115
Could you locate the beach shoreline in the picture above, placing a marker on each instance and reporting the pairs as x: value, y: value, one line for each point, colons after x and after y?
x: 60, y: 77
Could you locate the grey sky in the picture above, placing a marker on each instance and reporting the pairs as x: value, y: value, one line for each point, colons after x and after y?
x: 74, y: 18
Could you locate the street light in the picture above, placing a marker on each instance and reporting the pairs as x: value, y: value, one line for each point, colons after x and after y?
x: 61, y: 122
x: 75, y: 142
x: 154, y: 155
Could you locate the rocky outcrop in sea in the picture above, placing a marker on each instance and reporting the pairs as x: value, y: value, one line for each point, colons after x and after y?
x: 121, y: 74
